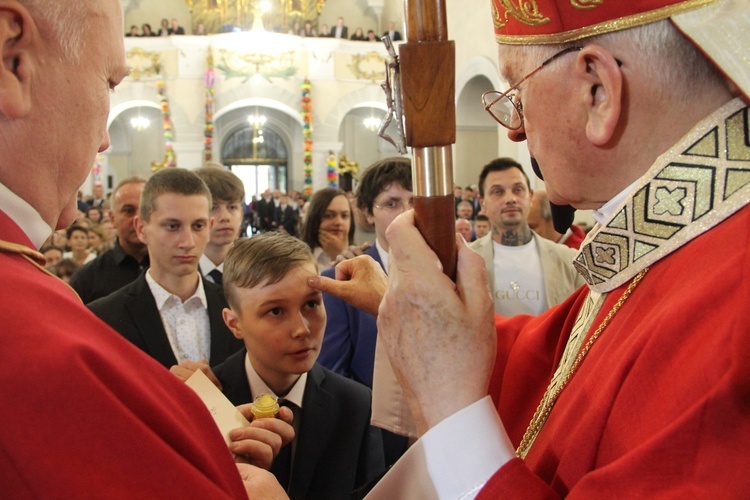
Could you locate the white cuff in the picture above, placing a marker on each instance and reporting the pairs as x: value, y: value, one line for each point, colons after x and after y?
x: 453, y: 460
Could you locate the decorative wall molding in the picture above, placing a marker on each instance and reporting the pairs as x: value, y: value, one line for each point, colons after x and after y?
x: 370, y: 66
x: 143, y: 63
x: 246, y: 65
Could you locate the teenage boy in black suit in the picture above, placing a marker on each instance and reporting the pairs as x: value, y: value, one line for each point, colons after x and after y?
x: 282, y: 321
x: 169, y: 311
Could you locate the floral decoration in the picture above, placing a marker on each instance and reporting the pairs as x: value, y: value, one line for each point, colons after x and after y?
x: 208, y: 132
x: 170, y: 159
x: 307, y: 119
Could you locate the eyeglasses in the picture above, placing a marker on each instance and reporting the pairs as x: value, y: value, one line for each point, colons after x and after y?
x: 502, y: 107
x: 395, y: 204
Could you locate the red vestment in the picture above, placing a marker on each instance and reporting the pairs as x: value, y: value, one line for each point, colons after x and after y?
x: 85, y: 413
x: 660, y: 406
x: 577, y: 235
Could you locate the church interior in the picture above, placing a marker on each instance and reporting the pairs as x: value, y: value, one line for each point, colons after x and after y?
x: 281, y: 110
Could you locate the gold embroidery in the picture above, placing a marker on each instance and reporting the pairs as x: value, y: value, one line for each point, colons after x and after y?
x: 738, y: 136
x: 569, y: 364
x: 691, y: 188
x: 29, y: 254
x: 601, y: 28
x: 34, y: 258
x: 525, y: 11
x: 499, y: 24
x: 585, y: 4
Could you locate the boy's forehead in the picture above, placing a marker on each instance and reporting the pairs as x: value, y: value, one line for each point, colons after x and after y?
x: 171, y: 198
x: 296, y: 276
x: 180, y: 207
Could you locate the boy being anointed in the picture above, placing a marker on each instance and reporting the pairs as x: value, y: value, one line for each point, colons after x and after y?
x: 281, y: 321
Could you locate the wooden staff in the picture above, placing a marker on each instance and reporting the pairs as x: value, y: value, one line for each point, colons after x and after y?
x: 428, y: 68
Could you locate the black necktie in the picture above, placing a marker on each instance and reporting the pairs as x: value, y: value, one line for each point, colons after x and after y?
x: 216, y: 276
x: 282, y: 464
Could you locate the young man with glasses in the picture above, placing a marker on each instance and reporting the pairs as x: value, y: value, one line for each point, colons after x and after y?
x: 383, y: 193
x: 637, y: 385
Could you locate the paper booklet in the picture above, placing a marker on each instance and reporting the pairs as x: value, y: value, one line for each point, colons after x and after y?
x: 226, y: 416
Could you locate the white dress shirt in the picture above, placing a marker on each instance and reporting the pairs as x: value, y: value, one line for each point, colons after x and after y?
x: 206, y: 265
x: 186, y: 323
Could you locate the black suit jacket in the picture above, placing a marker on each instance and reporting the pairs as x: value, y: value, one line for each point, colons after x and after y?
x: 396, y: 35
x: 286, y: 218
x: 132, y: 312
x: 266, y: 210
x: 344, y: 32
x: 337, y: 448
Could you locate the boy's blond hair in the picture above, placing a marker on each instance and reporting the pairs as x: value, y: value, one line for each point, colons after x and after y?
x: 263, y: 259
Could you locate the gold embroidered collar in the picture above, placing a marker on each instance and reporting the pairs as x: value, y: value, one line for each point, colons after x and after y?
x: 691, y: 188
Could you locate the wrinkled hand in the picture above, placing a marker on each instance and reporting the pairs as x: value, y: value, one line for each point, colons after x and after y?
x: 332, y: 244
x: 184, y: 370
x: 259, y: 443
x: 440, y: 336
x: 260, y: 483
x: 359, y: 281
x: 351, y: 252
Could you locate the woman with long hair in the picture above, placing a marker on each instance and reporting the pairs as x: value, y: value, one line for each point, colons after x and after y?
x: 328, y: 227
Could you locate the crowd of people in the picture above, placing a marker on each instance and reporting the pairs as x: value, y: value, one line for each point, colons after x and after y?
x: 301, y: 28
x: 167, y: 28
x: 541, y: 372
x: 91, y: 234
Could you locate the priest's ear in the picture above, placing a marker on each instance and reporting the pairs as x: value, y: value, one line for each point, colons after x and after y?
x: 18, y: 38
x: 601, y: 92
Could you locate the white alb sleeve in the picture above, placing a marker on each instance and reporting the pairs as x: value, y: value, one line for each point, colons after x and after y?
x: 453, y: 460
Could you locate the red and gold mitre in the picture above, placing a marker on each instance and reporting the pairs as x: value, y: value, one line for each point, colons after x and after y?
x: 540, y: 22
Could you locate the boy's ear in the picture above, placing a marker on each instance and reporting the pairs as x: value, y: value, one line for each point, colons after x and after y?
x: 232, y: 321
x: 368, y: 216
x: 18, y: 37
x: 601, y: 92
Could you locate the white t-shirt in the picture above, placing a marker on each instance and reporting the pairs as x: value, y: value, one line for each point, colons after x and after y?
x: 519, y: 283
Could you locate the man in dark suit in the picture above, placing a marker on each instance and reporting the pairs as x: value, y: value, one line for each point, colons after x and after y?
x: 99, y: 199
x: 266, y: 208
x: 392, y: 32
x: 169, y: 311
x: 340, y: 31
x: 285, y: 216
x: 176, y: 29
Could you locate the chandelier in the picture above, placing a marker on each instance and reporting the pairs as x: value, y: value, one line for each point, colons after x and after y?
x: 140, y: 123
x: 371, y: 123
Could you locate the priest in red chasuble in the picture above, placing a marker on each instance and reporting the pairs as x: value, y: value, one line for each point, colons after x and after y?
x: 639, y: 384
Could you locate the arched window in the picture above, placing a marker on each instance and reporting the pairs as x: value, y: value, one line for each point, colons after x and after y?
x: 258, y: 155
x: 250, y: 144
